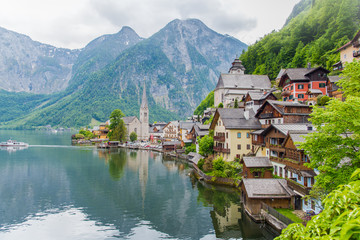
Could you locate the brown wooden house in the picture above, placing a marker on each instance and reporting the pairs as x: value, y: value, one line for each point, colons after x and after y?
x: 257, y: 167
x: 254, y: 99
x: 334, y: 89
x: 277, y: 112
x: 273, y: 192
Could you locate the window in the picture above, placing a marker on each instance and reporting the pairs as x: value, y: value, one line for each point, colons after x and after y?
x: 309, y: 85
x: 255, y: 137
x: 300, y: 86
x: 248, y: 147
x: 238, y: 135
x: 299, y: 178
x: 292, y: 87
x: 247, y: 135
x: 239, y: 146
x: 321, y: 85
x: 238, y: 156
x: 305, y: 202
x: 291, y: 97
x: 279, y: 120
x: 300, y: 96
x: 257, y: 174
x: 227, y: 135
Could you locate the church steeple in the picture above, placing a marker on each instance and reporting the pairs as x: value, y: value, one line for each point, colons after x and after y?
x: 144, y: 116
x: 144, y: 103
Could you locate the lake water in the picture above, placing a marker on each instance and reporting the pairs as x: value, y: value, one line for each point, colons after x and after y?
x: 52, y: 190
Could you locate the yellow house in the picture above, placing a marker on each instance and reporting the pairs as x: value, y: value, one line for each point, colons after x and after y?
x: 102, y: 131
x: 349, y: 52
x: 232, y: 128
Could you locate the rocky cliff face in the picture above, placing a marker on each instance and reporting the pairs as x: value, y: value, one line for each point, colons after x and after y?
x: 30, y: 66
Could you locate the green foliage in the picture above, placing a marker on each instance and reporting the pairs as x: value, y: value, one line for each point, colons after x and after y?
x: 86, y: 133
x: 313, y: 35
x: 206, y: 145
x: 206, y: 103
x: 350, y: 81
x: 289, y: 214
x: 191, y: 148
x: 209, y: 120
x: 117, y: 126
x: 223, y: 169
x: 340, y: 218
x: 221, y: 105
x: 219, y: 164
x: 133, y: 136
x: 236, y: 104
x: 322, y: 100
x: 78, y: 136
x: 200, y: 163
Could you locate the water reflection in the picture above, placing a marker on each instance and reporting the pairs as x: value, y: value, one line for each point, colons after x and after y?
x: 13, y: 149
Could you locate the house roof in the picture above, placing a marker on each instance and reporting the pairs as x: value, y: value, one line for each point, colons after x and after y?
x: 259, y: 95
x: 314, y: 91
x: 186, y: 125
x: 194, y: 157
x: 267, y: 188
x: 334, y: 79
x: 128, y: 120
x: 171, y: 143
x: 252, y: 162
x: 233, y: 118
x: 298, y: 137
x: 280, y: 105
x: 243, y: 81
x: 357, y: 35
x: 299, y: 74
x: 258, y: 132
x: 200, y: 129
x: 285, y: 128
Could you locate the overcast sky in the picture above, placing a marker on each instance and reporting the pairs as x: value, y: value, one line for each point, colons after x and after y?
x: 74, y: 23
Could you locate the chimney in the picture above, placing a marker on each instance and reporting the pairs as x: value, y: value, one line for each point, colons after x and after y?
x: 309, y: 65
x: 246, y: 114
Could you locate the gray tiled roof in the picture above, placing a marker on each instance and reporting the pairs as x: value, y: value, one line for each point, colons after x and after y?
x: 298, y: 136
x: 334, y: 79
x: 233, y: 118
x: 251, y: 162
x: 243, y: 81
x: 258, y: 95
x: 267, y: 188
x: 186, y: 125
x: 279, y: 106
x: 285, y: 128
x: 128, y: 120
x: 298, y: 73
x: 170, y: 143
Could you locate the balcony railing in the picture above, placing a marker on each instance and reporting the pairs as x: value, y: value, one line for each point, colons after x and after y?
x: 298, y: 187
x: 266, y: 115
x: 220, y: 149
x: 219, y: 138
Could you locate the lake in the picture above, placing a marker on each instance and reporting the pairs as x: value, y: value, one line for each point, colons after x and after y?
x: 52, y: 190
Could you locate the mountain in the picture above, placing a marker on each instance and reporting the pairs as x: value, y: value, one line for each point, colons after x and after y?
x: 179, y: 64
x: 312, y: 36
x: 30, y: 66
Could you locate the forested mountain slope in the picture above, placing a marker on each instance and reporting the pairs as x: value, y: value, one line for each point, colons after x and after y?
x: 312, y: 36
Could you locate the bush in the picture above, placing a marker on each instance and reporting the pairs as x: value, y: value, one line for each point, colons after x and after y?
x: 219, y: 164
x: 133, y: 136
x: 191, y: 148
x: 201, y: 163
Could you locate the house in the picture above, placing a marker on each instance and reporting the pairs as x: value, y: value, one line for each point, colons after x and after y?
x: 171, y: 131
x: 132, y: 124
x: 254, y: 99
x: 273, y: 192
x: 232, y: 128
x: 274, y: 136
x: 257, y: 167
x: 334, y: 89
x: 156, y: 131
x: 300, y: 178
x: 198, y: 131
x: 235, y: 84
x: 184, y: 130
x: 101, y: 132
x: 348, y: 52
x: 277, y: 112
x: 313, y: 94
x: 295, y: 82
x: 258, y: 143
x: 171, y: 146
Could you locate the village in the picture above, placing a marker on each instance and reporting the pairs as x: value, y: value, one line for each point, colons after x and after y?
x: 255, y: 123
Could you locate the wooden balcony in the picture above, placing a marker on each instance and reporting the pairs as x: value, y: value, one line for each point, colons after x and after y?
x: 219, y: 138
x: 220, y: 149
x: 298, y: 187
x: 266, y: 115
x: 277, y: 148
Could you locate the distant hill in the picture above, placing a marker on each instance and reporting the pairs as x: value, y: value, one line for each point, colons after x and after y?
x: 30, y: 66
x: 180, y: 65
x: 312, y: 34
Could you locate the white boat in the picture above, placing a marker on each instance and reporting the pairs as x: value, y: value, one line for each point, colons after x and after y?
x: 13, y: 143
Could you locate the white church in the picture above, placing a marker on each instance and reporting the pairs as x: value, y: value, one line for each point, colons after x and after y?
x: 140, y: 127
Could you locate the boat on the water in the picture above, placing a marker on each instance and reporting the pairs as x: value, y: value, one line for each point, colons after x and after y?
x: 13, y: 143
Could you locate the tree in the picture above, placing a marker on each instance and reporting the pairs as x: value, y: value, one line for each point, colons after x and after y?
x: 340, y: 218
x: 191, y: 148
x: 334, y: 146
x: 133, y: 136
x: 221, y: 105
x: 236, y: 104
x: 206, y: 145
x: 117, y: 126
